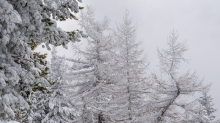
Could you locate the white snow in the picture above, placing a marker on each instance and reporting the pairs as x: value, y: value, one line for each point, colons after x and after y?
x: 9, y: 122
x: 15, y: 17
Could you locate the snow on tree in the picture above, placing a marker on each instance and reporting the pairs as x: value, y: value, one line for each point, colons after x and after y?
x: 130, y: 65
x: 58, y: 67
x: 9, y: 122
x: 92, y: 70
x: 61, y: 110
x: 36, y: 90
x: 24, y: 24
x: 206, y: 101
x: 39, y: 107
x: 169, y: 104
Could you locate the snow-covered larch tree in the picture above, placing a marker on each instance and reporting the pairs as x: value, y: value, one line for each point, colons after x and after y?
x: 170, y: 104
x: 92, y: 70
x: 131, y: 65
x: 24, y: 24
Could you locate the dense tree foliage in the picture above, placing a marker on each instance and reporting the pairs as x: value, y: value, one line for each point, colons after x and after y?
x: 24, y: 24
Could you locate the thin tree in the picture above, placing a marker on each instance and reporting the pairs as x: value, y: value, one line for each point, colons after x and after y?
x: 171, y: 88
x: 130, y: 64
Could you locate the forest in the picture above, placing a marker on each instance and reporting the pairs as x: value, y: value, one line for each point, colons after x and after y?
x: 106, y: 82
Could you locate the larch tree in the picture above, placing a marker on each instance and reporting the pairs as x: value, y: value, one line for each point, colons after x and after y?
x: 24, y: 24
x: 168, y: 104
x: 131, y: 65
x: 92, y: 70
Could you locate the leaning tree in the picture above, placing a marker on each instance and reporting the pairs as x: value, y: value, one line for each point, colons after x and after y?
x: 169, y: 103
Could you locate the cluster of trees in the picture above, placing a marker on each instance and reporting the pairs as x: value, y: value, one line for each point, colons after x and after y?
x: 106, y: 83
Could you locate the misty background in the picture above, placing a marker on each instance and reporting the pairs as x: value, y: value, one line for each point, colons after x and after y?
x: 196, y: 21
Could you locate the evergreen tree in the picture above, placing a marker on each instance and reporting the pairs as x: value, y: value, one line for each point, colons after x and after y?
x: 38, y: 92
x: 24, y: 24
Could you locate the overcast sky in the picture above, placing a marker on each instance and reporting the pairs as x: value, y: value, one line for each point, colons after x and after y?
x: 197, y: 21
